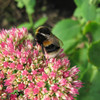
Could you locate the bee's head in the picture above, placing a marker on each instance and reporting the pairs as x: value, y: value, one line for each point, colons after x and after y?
x: 43, y: 30
x: 41, y: 34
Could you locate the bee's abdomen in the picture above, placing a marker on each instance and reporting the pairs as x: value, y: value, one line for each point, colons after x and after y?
x: 51, y: 48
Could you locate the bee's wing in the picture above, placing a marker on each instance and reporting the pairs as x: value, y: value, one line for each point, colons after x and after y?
x: 56, y: 41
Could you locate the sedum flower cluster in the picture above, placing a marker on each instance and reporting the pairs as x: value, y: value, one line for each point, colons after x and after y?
x: 25, y: 75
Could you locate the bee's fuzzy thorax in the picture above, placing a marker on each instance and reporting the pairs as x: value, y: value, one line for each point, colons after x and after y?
x: 48, y: 42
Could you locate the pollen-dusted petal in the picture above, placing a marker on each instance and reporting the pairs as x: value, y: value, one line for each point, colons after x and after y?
x: 21, y: 86
x: 54, y: 88
x: 19, y: 67
x: 35, y: 90
x: 44, y: 76
x: 12, y: 65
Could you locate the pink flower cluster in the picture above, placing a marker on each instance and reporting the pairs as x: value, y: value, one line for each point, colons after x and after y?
x: 24, y: 75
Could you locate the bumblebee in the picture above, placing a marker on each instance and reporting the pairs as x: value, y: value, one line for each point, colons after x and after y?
x: 49, y: 43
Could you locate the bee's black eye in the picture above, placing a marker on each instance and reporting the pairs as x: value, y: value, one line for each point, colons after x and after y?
x: 45, y: 31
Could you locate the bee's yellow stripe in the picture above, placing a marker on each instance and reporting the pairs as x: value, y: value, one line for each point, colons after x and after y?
x: 47, y: 43
x: 37, y: 30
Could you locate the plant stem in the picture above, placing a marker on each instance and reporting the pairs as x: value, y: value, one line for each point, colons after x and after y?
x: 31, y: 21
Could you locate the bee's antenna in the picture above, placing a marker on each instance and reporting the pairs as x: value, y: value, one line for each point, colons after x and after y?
x: 34, y: 41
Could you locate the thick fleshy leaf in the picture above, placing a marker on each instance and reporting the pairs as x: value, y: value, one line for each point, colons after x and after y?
x: 95, y: 87
x: 94, y: 53
x: 91, y: 88
x: 93, y: 29
x: 26, y: 25
x: 79, y: 57
x: 98, y: 15
x: 79, y: 2
x: 20, y: 3
x: 66, y: 29
x: 68, y: 44
x: 29, y: 4
x: 88, y: 11
x: 41, y: 21
x: 78, y: 12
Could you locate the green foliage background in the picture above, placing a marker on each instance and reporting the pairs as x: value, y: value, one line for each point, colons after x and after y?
x: 81, y: 38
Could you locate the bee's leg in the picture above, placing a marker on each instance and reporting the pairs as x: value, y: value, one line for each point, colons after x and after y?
x: 34, y: 42
x: 43, y: 51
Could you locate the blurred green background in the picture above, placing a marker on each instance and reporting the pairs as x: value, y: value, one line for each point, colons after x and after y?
x: 75, y: 22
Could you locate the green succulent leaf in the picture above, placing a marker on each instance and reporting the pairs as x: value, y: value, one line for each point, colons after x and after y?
x: 93, y: 28
x: 79, y: 2
x: 88, y: 11
x: 78, y: 12
x: 20, y: 3
x: 66, y: 29
x: 94, y: 53
x: 85, y: 9
x: 26, y: 25
x: 68, y: 44
x: 91, y: 88
x: 79, y: 57
x: 41, y: 21
x: 97, y: 15
x: 30, y: 4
